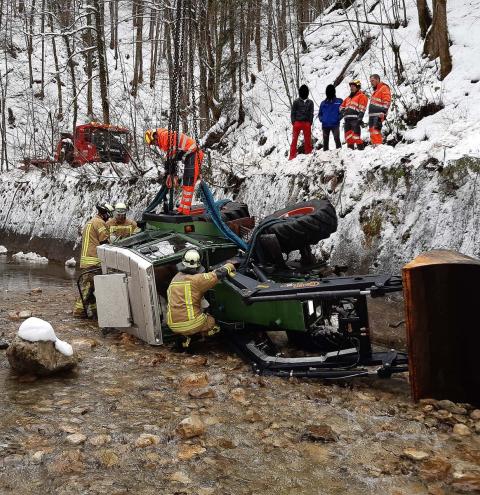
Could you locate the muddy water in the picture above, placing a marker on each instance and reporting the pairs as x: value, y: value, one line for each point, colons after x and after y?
x: 256, y: 437
x: 16, y: 275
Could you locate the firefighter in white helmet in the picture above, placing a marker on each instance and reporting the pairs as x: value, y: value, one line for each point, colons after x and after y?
x: 120, y: 226
x: 185, y: 295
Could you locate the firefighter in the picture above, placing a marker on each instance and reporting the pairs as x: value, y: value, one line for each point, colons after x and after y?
x: 377, y: 111
x: 188, y: 150
x: 120, y: 226
x: 185, y: 293
x: 352, y: 110
x: 94, y: 233
x: 301, y: 117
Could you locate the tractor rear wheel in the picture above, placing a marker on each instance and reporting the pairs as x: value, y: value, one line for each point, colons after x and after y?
x: 303, y: 224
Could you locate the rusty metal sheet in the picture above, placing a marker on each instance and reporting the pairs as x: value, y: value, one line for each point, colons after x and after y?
x: 442, y: 297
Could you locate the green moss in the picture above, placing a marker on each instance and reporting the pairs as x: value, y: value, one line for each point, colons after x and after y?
x: 393, y: 175
x: 371, y: 223
x: 456, y: 174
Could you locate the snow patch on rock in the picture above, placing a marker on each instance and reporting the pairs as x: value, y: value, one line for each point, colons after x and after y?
x: 30, y: 257
x: 3, y: 250
x: 71, y: 263
x: 37, y: 330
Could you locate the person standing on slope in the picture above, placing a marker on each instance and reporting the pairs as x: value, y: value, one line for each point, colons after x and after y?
x: 329, y: 116
x: 302, y: 119
x: 352, y: 110
x: 377, y: 111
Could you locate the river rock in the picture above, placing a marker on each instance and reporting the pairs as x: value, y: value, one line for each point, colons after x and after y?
x: 461, y: 430
x: 202, y: 393
x: 38, y: 358
x: 195, y: 361
x: 76, y: 438
x: 190, y: 427
x: 147, y: 439
x: 322, y: 433
x: 238, y: 395
x: 99, y: 440
x: 466, y: 482
x: 450, y: 406
x: 194, y: 380
x: 186, y: 452
x: 24, y: 314
x: 180, y: 477
x: 414, y: 454
x: 434, y: 469
x: 475, y: 414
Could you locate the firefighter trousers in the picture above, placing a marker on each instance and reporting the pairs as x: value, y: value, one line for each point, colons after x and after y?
x: 88, y: 294
x: 207, y: 325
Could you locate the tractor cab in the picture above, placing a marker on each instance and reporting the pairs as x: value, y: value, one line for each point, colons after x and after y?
x: 94, y: 142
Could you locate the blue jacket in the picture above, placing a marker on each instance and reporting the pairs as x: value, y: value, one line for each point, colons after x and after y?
x: 329, y: 113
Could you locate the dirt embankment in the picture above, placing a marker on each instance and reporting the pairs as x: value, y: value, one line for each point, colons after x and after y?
x: 113, y: 426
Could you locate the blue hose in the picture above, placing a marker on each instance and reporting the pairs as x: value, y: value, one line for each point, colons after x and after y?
x: 215, y: 215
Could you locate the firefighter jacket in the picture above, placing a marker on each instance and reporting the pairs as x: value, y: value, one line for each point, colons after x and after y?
x: 120, y: 230
x: 184, y: 296
x: 166, y: 141
x: 94, y: 233
x: 380, y: 100
x: 353, y: 107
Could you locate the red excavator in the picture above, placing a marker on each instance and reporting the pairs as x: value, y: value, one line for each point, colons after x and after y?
x: 93, y: 142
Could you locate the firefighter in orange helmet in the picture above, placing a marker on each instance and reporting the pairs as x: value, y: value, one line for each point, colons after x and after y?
x: 352, y: 110
x: 377, y: 111
x: 186, y: 149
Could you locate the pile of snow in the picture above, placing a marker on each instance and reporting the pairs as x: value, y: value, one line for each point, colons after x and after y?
x: 30, y: 257
x: 3, y: 250
x: 38, y: 330
x: 71, y: 263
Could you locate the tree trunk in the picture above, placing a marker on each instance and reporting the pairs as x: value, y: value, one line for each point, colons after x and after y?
x: 436, y: 41
x: 89, y: 61
x: 269, y: 30
x: 258, y: 37
x: 102, y: 66
x: 424, y: 17
x: 57, y: 71
x: 71, y: 65
x: 41, y: 94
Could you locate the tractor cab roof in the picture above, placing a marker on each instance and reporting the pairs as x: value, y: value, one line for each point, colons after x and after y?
x: 106, y: 127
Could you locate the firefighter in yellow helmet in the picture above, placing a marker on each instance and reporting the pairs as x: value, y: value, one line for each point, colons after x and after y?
x: 120, y: 226
x: 185, y: 294
x: 94, y: 233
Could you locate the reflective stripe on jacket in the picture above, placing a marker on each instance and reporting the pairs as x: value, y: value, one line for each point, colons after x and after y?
x: 166, y: 141
x: 353, y: 107
x: 122, y: 230
x: 380, y: 100
x: 94, y: 232
x: 184, y: 299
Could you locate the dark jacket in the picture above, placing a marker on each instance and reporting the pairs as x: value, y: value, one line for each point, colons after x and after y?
x: 329, y: 113
x: 302, y: 111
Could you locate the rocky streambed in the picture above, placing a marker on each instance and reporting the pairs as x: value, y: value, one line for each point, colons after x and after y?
x: 139, y: 419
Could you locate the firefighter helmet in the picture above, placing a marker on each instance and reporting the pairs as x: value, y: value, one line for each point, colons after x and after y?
x: 149, y: 136
x: 105, y: 208
x: 356, y: 82
x: 121, y: 208
x: 191, y: 259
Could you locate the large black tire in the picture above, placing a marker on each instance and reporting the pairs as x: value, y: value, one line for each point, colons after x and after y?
x: 233, y: 211
x: 303, y: 224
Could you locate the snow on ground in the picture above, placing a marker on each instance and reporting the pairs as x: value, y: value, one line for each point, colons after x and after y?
x: 38, y: 330
x: 70, y: 263
x: 30, y: 257
x: 393, y: 202
x: 3, y: 250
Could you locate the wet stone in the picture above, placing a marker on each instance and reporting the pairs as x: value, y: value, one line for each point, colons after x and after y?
x: 461, y: 430
x: 76, y: 438
x: 450, y: 406
x: 190, y: 427
x: 475, y: 415
x: 322, y: 433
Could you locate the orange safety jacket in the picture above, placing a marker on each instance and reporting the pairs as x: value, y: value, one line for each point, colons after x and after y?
x: 166, y: 141
x: 353, y: 107
x: 380, y: 100
x: 94, y: 233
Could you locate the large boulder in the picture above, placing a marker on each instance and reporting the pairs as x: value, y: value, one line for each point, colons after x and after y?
x: 38, y: 358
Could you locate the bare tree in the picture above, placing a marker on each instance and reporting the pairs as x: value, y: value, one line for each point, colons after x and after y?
x: 424, y: 17
x: 436, y: 40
